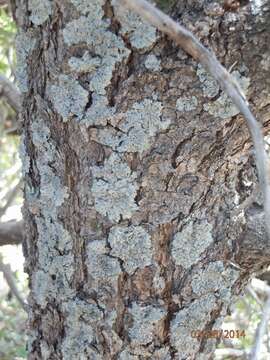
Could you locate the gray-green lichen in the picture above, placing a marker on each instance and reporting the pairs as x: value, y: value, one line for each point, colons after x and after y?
x: 137, y: 128
x: 146, y: 320
x: 25, y: 43
x: 114, y: 189
x: 209, y: 85
x: 78, y: 342
x: 82, y: 318
x: 126, y: 355
x: 99, y: 112
x: 53, y: 281
x: 141, y: 35
x: 215, y: 277
x: 186, y: 104
x: 99, y: 263
x: 223, y: 107
x: 40, y: 10
x: 68, y: 97
x: 86, y: 63
x: 194, y: 317
x: 152, y: 63
x: 132, y: 245
x: 188, y: 244
x: 86, y: 6
x: 25, y: 159
x: 109, y: 51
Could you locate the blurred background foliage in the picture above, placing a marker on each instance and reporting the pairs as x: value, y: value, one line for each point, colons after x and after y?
x: 246, y: 313
x: 12, y: 316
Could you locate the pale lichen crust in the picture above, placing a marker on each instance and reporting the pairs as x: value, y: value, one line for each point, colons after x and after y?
x: 68, y: 97
x: 109, y: 51
x: 223, y: 106
x: 136, y: 130
x: 40, y: 10
x: 193, y: 317
x: 100, y: 264
x: 132, y: 245
x: 53, y: 278
x: 186, y: 103
x: 214, y: 278
x: 141, y: 34
x: 145, y: 322
x: 114, y: 188
x: 25, y: 43
x: 189, y: 244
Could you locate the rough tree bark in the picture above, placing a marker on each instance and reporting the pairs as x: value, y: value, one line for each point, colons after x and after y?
x: 142, y: 216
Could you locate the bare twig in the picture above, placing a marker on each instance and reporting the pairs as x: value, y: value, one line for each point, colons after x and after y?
x: 11, y: 283
x: 10, y: 197
x: 253, y: 293
x: 10, y: 92
x: 11, y: 232
x: 192, y: 46
x: 261, y: 330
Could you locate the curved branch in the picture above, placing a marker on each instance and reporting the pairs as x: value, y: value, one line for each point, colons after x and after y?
x: 11, y: 283
x: 192, y: 46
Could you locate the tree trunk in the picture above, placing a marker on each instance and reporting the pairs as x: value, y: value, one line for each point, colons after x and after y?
x: 143, y: 218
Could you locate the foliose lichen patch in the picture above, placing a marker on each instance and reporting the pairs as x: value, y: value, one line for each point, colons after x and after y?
x: 188, y: 244
x: 152, y: 63
x: 114, y: 188
x: 209, y: 85
x: 194, y: 317
x: 141, y: 35
x: 40, y: 10
x: 109, y: 51
x: 68, y: 97
x: 100, y: 265
x: 24, y: 43
x: 25, y: 159
x: 137, y: 129
x: 53, y: 281
x: 214, y: 278
x: 223, y: 106
x: 186, y: 104
x: 132, y: 245
x: 145, y: 322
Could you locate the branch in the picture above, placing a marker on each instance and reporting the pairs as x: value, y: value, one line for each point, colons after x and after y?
x: 4, y: 2
x: 192, y: 46
x: 11, y: 232
x: 11, y: 283
x: 10, y: 92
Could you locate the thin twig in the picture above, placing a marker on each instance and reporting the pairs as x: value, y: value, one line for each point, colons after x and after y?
x: 11, y: 283
x: 253, y: 293
x: 192, y: 46
x: 10, y: 197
